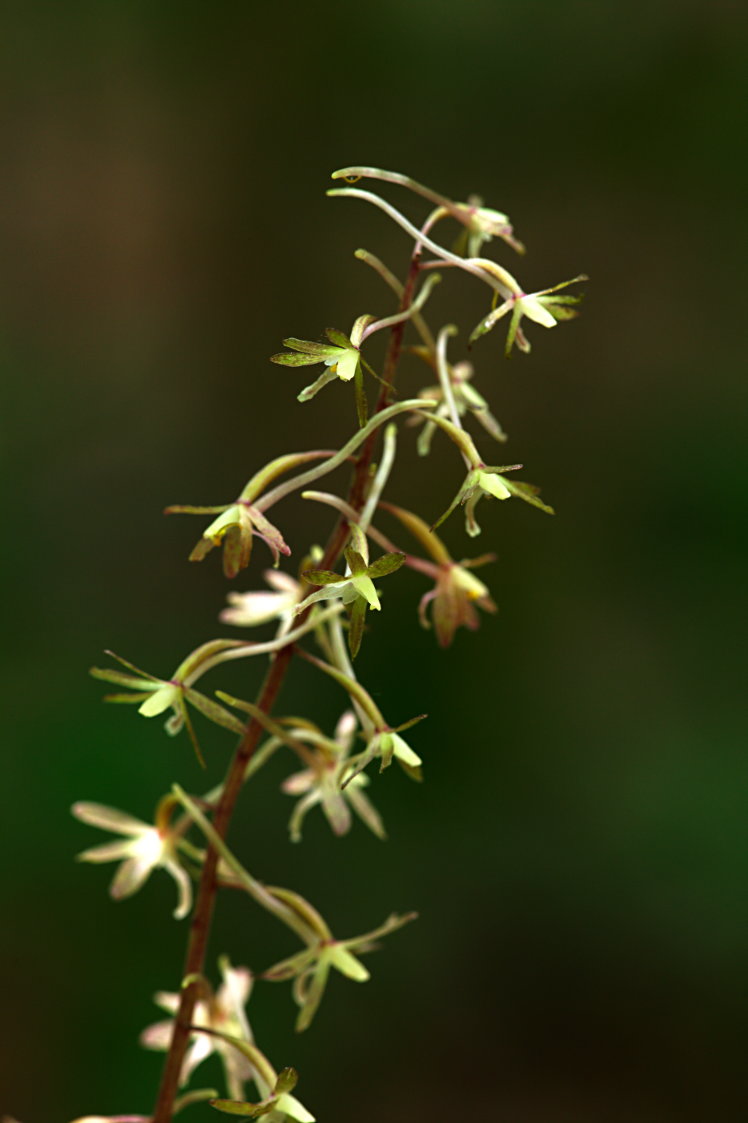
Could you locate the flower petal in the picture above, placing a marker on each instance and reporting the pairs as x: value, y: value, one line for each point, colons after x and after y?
x: 365, y: 587
x: 108, y: 818
x: 348, y: 965
x: 184, y: 888
x: 109, y: 852
x: 157, y: 1036
x: 161, y: 699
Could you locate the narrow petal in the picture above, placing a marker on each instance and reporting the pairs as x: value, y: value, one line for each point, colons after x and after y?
x: 131, y: 875
x: 199, y: 1051
x: 107, y: 674
x: 337, y: 812
x: 388, y: 563
x: 313, y: 995
x: 214, y: 712
x: 160, y: 700
x: 345, y: 730
x: 495, y: 485
x: 534, y: 310
x: 365, y: 587
x: 329, y: 375
x: 281, y: 581
x: 348, y: 965
x: 249, y: 609
x: 356, y: 624
x: 309, y: 347
x: 289, y: 359
x: 404, y: 752
x: 109, y: 852
x: 184, y: 889
x: 157, y: 1036
x: 364, y: 808
x: 331, y: 592
x: 291, y: 1107
x: 168, y: 1001
x: 322, y: 577
x: 299, y: 813
x: 108, y: 818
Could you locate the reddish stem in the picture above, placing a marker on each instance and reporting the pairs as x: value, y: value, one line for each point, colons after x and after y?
x: 206, y: 895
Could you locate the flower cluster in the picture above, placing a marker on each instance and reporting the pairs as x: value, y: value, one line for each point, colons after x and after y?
x: 321, y: 611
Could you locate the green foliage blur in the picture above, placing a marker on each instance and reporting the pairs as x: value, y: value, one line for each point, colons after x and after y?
x: 577, y: 853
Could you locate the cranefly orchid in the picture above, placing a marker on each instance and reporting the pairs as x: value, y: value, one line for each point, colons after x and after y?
x: 319, y: 613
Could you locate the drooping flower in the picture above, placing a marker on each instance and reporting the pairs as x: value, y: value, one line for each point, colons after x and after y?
x: 221, y: 1011
x: 234, y: 527
x: 454, y: 600
x: 486, y: 481
x: 456, y: 592
x: 543, y: 307
x: 310, y: 969
x: 146, y: 847
x: 320, y: 784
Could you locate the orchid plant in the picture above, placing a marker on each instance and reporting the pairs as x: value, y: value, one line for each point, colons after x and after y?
x: 322, y: 610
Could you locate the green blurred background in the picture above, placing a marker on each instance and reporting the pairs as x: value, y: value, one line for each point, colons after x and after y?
x: 578, y: 852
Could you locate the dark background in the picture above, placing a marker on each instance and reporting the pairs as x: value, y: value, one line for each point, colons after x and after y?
x: 578, y: 852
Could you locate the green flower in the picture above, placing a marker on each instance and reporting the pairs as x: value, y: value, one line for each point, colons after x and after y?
x: 543, y: 307
x: 490, y: 482
x: 387, y: 744
x: 341, y: 356
x: 157, y: 695
x: 311, y: 968
x: 147, y: 847
x: 278, y: 1103
x: 320, y: 783
x: 356, y: 588
x: 234, y: 528
x: 482, y: 224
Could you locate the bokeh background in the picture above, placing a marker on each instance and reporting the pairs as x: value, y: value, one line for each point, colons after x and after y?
x: 578, y: 852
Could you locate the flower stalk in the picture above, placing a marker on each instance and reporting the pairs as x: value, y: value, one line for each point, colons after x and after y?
x: 321, y: 615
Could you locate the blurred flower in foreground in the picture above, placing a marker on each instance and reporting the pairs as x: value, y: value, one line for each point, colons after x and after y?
x: 248, y: 610
x: 221, y: 1011
x: 147, y: 848
x: 321, y: 782
x: 106, y: 1119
